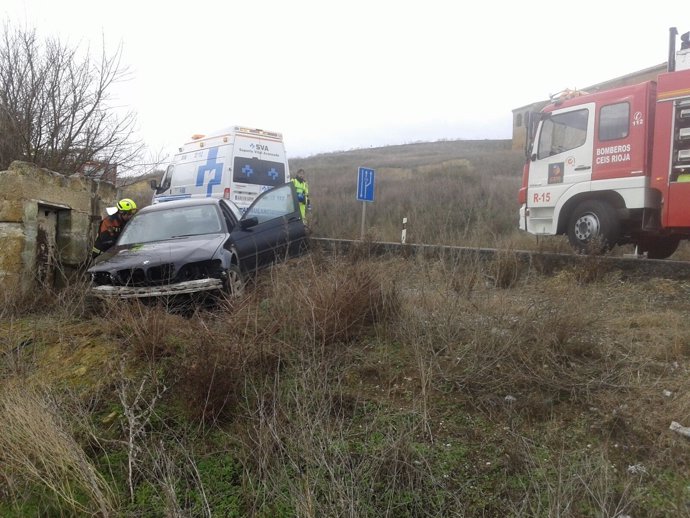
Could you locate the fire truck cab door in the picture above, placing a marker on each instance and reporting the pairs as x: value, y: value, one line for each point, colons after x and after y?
x: 562, y: 158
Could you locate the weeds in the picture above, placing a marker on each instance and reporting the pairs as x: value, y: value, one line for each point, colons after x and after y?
x: 351, y: 386
x: 137, y: 406
x: 36, y: 446
x: 327, y: 304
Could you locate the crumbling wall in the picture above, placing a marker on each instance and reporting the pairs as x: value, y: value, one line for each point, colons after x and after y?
x: 139, y: 191
x: 47, y: 223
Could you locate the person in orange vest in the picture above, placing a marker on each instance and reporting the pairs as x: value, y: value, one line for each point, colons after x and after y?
x: 302, y: 188
x: 111, y: 226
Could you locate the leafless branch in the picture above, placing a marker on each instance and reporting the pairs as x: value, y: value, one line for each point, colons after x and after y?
x: 55, y: 105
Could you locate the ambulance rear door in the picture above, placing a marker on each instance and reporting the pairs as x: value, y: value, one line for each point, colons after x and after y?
x: 258, y: 164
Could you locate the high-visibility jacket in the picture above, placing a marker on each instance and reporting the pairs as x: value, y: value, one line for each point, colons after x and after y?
x: 302, y: 189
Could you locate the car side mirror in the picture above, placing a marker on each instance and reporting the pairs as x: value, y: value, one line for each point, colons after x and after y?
x: 249, y: 222
x: 154, y: 184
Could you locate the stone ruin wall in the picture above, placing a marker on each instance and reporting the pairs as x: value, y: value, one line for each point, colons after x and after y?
x: 47, y: 224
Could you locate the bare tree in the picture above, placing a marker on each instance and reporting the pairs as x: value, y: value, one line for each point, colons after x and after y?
x: 55, y: 106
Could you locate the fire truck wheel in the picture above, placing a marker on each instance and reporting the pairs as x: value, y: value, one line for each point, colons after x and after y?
x: 593, y: 227
x: 659, y: 247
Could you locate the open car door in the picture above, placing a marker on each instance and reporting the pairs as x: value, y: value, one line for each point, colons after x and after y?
x: 270, y: 230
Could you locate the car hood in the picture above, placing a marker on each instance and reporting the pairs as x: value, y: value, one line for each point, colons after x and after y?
x: 177, y: 251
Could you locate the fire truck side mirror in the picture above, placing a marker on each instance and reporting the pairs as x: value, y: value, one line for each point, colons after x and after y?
x: 531, y: 123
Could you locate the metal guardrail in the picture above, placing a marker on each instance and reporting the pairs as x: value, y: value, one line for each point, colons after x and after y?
x: 546, y: 262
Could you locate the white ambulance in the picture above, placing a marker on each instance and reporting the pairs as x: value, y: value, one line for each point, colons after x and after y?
x: 236, y: 163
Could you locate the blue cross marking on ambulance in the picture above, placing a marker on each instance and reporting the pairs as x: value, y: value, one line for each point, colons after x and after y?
x: 214, y: 167
x: 247, y: 170
x: 273, y: 173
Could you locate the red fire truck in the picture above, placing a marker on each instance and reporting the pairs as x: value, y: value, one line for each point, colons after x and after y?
x: 613, y: 167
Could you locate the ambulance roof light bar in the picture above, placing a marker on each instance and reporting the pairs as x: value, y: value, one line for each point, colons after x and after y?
x: 256, y: 131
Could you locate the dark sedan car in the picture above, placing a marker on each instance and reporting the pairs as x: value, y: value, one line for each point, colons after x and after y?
x: 197, y: 245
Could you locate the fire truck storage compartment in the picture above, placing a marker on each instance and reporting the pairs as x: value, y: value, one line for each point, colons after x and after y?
x: 680, y: 161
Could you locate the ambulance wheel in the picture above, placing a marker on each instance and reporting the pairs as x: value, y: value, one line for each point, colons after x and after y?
x: 234, y: 283
x: 659, y: 247
x: 593, y: 227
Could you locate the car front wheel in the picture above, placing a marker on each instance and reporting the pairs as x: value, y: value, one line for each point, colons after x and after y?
x: 234, y: 283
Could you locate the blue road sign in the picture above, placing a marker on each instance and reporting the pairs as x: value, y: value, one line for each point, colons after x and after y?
x: 365, y: 184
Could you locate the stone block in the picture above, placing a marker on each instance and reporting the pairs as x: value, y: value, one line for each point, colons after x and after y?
x: 11, y: 211
x: 12, y: 241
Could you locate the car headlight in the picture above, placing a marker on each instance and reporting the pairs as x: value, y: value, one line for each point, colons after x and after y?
x: 101, y: 278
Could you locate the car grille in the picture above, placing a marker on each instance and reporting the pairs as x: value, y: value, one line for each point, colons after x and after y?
x: 166, y: 274
x: 156, y: 275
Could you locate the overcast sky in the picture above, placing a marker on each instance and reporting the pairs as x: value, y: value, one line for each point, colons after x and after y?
x: 340, y: 75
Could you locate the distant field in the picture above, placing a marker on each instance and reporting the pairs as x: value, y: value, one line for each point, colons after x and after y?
x: 461, y: 192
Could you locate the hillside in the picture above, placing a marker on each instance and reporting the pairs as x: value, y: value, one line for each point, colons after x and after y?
x: 411, y: 155
x: 451, y: 192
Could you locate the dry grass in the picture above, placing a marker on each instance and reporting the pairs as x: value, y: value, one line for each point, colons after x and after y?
x: 329, y: 303
x: 372, y: 387
x: 36, y: 446
x: 456, y: 193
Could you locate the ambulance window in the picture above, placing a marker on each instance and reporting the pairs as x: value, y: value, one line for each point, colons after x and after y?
x: 258, y: 172
x: 562, y: 132
x: 166, y: 179
x: 614, y: 121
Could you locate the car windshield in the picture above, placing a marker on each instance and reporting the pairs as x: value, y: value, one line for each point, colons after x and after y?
x: 171, y: 223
